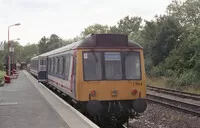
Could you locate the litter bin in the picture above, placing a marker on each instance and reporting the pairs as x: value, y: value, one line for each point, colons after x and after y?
x: 7, y: 79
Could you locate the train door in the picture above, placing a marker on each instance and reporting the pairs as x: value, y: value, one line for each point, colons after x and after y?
x: 42, y: 70
x: 73, y: 74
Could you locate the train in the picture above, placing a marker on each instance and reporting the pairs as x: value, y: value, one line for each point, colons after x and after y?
x: 103, y: 74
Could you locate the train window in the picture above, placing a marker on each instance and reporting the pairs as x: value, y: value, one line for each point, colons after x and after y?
x: 92, y: 66
x: 41, y: 62
x: 132, y: 65
x: 54, y: 64
x: 67, y: 65
x: 49, y: 65
x: 52, y: 61
x: 63, y: 69
x: 113, y: 65
x: 44, y: 62
x: 37, y: 63
x: 58, y: 65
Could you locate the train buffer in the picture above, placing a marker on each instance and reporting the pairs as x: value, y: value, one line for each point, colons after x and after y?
x: 25, y: 103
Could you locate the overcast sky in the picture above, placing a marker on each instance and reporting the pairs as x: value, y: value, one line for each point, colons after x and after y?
x: 67, y: 18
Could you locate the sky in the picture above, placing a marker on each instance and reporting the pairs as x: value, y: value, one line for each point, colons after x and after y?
x: 68, y: 18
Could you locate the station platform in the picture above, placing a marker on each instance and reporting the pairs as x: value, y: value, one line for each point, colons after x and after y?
x: 25, y: 103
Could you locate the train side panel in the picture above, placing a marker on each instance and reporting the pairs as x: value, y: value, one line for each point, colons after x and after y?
x: 64, y: 78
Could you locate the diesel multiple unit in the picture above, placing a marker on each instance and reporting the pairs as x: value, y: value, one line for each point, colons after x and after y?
x: 103, y: 74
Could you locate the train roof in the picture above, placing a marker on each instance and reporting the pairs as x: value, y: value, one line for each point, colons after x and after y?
x: 97, y: 41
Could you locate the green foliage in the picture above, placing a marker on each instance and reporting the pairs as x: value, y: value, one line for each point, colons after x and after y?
x: 171, y: 42
x: 2, y: 60
x: 160, y: 37
x: 95, y: 29
x: 1, y: 66
x: 28, y: 52
x: 2, y: 73
x: 188, y: 12
x: 156, y: 71
x: 43, y: 45
x: 188, y: 78
x: 129, y: 25
x: 49, y: 44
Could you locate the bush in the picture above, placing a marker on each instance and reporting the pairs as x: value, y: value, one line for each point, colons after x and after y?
x: 1, y: 66
x: 2, y: 73
x: 169, y: 73
x: 188, y: 78
x: 1, y: 79
x: 156, y: 71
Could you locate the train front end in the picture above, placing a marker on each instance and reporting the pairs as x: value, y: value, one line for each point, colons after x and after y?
x: 110, y: 78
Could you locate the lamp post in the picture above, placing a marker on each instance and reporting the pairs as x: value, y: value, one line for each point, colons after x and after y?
x: 12, y: 52
x: 8, y: 73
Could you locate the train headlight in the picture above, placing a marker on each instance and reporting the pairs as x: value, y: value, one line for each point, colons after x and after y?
x: 134, y: 91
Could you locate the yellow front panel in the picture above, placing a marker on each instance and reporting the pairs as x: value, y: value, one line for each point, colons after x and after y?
x: 104, y: 88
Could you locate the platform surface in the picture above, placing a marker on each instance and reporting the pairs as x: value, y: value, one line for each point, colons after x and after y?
x: 23, y: 106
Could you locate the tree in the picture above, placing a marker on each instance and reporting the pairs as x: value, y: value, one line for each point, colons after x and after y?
x: 129, y: 25
x: 188, y: 12
x: 28, y: 52
x: 114, y: 30
x: 160, y: 38
x: 54, y: 42
x: 43, y: 47
x: 95, y: 29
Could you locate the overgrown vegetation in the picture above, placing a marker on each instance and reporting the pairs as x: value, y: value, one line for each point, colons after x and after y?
x: 2, y: 73
x: 180, y: 60
x: 171, y: 43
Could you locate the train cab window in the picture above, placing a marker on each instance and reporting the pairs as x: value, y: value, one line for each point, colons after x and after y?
x: 113, y: 65
x: 92, y: 66
x: 132, y: 65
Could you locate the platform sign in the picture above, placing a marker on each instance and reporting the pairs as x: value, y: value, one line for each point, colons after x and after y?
x: 112, y: 56
x: 1, y: 46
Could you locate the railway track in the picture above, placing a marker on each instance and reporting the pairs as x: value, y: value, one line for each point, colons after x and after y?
x: 178, y: 103
x: 175, y: 92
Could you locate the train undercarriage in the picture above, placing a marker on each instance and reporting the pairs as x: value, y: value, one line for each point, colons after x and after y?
x: 107, y: 113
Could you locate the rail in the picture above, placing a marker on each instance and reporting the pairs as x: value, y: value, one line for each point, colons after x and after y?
x: 175, y: 92
x: 176, y: 104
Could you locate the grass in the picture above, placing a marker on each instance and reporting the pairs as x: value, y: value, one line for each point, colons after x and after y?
x: 2, y: 73
x: 162, y: 82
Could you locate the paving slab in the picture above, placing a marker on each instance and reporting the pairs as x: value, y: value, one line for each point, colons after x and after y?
x: 72, y: 117
x: 22, y: 106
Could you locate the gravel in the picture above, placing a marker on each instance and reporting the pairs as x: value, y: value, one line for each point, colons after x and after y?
x: 157, y: 116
